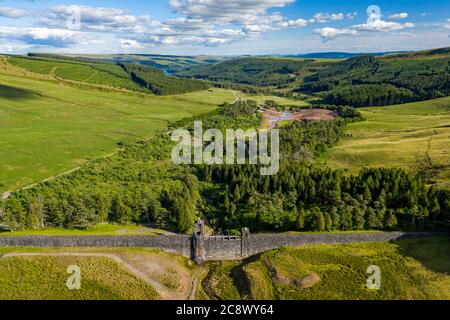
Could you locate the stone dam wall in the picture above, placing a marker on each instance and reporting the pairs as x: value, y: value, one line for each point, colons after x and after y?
x: 204, y: 247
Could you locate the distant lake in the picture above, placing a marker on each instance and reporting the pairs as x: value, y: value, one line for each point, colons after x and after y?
x: 167, y: 72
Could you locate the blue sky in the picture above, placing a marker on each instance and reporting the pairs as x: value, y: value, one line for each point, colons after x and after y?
x: 222, y: 27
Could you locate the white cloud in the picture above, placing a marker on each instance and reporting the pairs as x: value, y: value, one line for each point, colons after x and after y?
x: 376, y: 25
x: 13, y: 47
x: 12, y: 12
x: 99, y: 19
x: 202, y: 22
x: 382, y: 26
x: 130, y: 44
x: 205, y: 23
x: 322, y: 17
x: 351, y: 15
x: 92, y: 14
x: 225, y: 10
x: 40, y: 36
x: 330, y: 33
x: 293, y: 23
x: 402, y: 15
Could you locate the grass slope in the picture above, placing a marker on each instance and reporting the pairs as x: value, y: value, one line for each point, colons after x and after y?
x: 395, y: 136
x: 410, y: 269
x: 45, y: 278
x: 48, y: 128
x: 106, y: 273
x: 91, y: 73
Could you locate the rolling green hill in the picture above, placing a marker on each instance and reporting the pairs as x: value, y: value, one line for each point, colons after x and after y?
x: 253, y: 71
x: 86, y: 72
x: 368, y: 81
x: 109, y: 74
x: 423, y: 54
x: 398, y: 136
x: 168, y: 63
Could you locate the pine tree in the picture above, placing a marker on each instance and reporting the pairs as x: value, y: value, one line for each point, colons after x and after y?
x: 328, y: 223
x: 391, y: 220
x: 300, y: 223
x: 335, y: 217
x: 237, y: 193
x: 103, y: 206
x: 36, y: 213
x: 320, y: 221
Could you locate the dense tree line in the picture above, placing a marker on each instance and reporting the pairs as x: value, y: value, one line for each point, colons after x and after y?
x: 306, y: 197
x: 158, y: 83
x: 250, y: 71
x: 363, y: 95
x: 367, y: 81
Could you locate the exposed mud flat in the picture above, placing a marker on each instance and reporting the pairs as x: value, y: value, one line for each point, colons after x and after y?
x: 272, y: 117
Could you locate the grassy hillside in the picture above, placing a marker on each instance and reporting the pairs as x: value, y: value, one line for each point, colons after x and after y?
x: 397, y: 136
x: 410, y: 269
x: 44, y: 278
x: 423, y: 54
x: 84, y: 70
x: 87, y: 72
x: 48, y: 128
x: 106, y: 274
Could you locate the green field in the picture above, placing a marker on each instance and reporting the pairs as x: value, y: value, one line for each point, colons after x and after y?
x: 45, y: 277
x: 395, y: 136
x: 106, y: 274
x: 410, y: 269
x: 49, y: 128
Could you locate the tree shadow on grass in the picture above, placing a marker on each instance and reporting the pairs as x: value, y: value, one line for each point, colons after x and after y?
x: 13, y: 93
x: 432, y: 252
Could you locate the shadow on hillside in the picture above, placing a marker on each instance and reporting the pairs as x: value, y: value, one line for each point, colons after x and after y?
x: 432, y: 252
x: 13, y: 93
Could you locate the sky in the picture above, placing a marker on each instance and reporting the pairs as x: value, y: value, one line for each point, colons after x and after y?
x: 222, y: 27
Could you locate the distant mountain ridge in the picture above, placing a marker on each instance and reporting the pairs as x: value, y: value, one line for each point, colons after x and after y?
x: 342, y: 55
